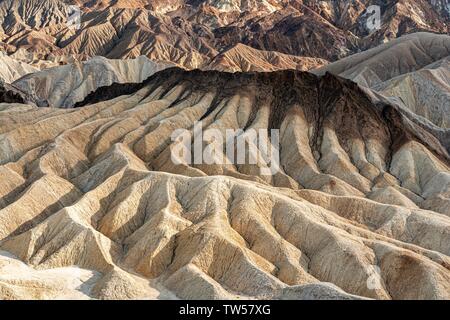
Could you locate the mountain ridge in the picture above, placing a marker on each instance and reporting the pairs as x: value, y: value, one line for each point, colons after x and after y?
x: 192, y: 33
x: 350, y: 201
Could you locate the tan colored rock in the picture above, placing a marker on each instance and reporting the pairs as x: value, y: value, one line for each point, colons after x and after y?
x: 355, y: 211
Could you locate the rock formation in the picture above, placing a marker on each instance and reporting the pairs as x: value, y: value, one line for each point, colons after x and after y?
x: 191, y: 33
x: 245, y: 58
x: 64, y: 86
x: 354, y: 203
x: 11, y: 69
x: 359, y: 209
x: 412, y: 72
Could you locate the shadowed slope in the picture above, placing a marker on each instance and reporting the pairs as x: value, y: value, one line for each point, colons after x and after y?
x: 411, y: 72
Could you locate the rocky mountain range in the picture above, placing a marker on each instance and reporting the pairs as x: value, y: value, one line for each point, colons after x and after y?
x: 191, y: 33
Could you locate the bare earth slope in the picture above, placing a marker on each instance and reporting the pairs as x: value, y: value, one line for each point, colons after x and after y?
x: 191, y: 33
x: 11, y: 69
x: 412, y: 72
x: 64, y: 86
x: 407, y: 54
x: 245, y: 58
x: 425, y: 92
x: 356, y: 210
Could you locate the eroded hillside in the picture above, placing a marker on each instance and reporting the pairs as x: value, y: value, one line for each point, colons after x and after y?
x: 363, y: 194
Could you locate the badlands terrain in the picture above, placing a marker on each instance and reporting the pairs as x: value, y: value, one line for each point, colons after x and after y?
x: 93, y: 207
x: 359, y: 209
x: 191, y: 33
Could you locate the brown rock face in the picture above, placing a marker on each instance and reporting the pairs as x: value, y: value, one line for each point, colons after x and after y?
x: 359, y: 208
x: 411, y: 72
x: 192, y: 33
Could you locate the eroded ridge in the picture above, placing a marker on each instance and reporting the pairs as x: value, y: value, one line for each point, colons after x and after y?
x: 360, y: 209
